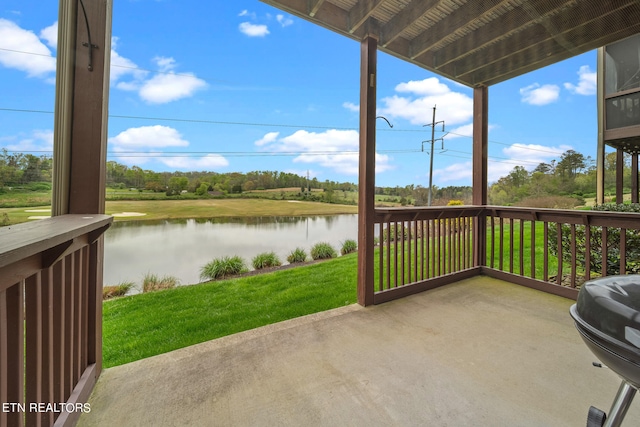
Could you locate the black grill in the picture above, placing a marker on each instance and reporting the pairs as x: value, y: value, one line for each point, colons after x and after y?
x: 607, y: 315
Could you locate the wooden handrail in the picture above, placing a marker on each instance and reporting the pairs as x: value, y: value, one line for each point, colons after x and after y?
x: 50, y: 316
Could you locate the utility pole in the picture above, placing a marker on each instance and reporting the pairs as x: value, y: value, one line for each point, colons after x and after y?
x: 433, y: 140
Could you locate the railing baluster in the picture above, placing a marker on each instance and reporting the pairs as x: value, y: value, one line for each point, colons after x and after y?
x: 57, y: 331
x: 409, y: 254
x: 573, y: 256
x: 545, y: 252
x: 434, y: 252
x: 422, y: 243
x: 623, y: 251
x: 501, y: 255
x: 604, y: 251
x: 533, y: 249
x: 559, y: 243
x: 12, y: 352
x: 395, y: 255
x: 521, y: 252
x: 415, y: 250
x: 402, y: 254
x: 511, y: 246
x: 68, y: 320
x: 493, y: 242
x: 587, y: 250
x: 388, y: 255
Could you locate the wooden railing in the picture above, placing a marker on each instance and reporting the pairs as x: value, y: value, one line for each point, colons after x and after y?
x: 50, y: 318
x: 547, y: 249
x: 420, y: 248
x: 560, y: 247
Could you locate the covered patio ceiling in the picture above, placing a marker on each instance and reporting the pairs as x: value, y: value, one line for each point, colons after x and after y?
x: 476, y: 42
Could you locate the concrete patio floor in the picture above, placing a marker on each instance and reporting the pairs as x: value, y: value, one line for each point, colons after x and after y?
x: 480, y: 352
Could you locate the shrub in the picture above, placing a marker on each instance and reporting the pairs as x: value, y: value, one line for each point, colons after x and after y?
x: 297, y: 255
x: 612, y: 262
x: 454, y: 202
x: 118, y: 290
x: 223, y: 267
x: 349, y: 246
x: 266, y: 260
x: 323, y: 250
x: 152, y: 282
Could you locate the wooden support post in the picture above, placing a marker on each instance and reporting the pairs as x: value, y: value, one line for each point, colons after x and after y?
x: 366, y: 179
x: 634, y: 178
x: 480, y: 168
x: 600, y: 152
x: 80, y: 136
x: 619, y: 175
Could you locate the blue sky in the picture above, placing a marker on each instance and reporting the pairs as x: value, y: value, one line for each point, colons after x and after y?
x: 243, y: 86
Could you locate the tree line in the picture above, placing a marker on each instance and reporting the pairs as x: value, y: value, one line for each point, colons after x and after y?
x: 567, y: 181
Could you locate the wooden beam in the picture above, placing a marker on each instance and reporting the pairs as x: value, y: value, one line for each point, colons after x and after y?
x: 405, y: 18
x: 516, y: 55
x: 314, y: 5
x: 360, y: 12
x: 500, y: 28
x: 455, y: 24
x: 366, y: 179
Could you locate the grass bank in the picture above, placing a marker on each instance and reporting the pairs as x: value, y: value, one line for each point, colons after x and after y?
x: 144, y: 325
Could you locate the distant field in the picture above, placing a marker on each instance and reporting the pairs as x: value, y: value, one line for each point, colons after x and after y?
x: 200, y: 208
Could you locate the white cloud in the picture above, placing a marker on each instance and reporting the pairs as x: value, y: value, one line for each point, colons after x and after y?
x: 455, y: 172
x: 333, y: 149
x: 268, y: 138
x: 253, y: 30
x: 245, y: 12
x: 148, y: 141
x: 208, y: 162
x: 283, y: 20
x: 351, y: 107
x: 147, y: 137
x: 460, y: 131
x: 453, y: 107
x: 536, y: 94
x: 50, y: 35
x: 165, y: 64
x: 587, y: 82
x: 38, y: 62
x: 426, y: 87
x: 534, y: 153
x: 163, y: 88
x: 38, y: 140
x: 121, y: 67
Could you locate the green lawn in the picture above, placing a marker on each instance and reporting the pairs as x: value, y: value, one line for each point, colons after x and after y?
x: 144, y: 325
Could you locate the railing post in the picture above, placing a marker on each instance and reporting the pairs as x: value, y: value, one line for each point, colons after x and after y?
x: 366, y: 179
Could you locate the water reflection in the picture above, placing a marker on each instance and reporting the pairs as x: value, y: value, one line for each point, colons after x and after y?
x: 181, y: 247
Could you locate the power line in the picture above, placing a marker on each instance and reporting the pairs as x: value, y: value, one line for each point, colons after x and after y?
x: 281, y: 125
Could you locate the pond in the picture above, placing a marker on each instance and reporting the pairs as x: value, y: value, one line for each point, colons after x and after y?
x: 181, y: 247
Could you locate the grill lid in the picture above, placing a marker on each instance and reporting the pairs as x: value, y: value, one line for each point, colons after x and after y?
x: 612, y: 306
